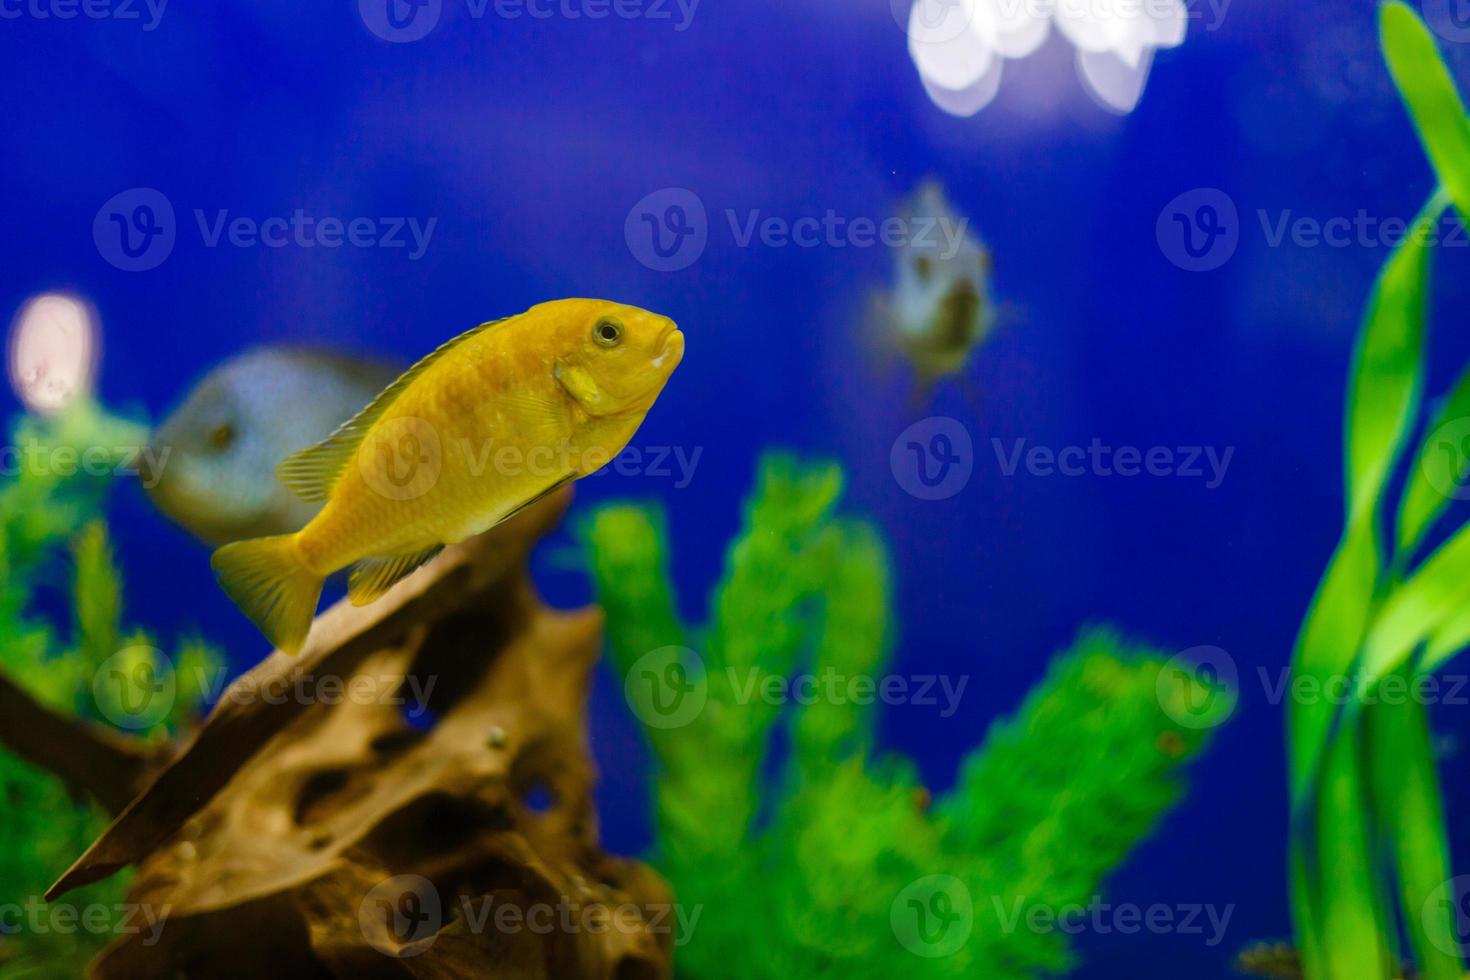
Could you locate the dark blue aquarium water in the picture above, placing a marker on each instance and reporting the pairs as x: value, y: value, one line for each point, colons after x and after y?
x: 1129, y: 316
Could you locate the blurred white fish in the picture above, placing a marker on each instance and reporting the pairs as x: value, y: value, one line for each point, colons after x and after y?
x: 940, y: 308
x: 211, y: 464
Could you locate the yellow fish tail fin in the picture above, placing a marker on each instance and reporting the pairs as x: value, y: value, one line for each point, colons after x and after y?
x: 270, y: 583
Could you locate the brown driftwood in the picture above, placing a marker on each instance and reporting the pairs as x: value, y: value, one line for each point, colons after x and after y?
x: 109, y: 766
x: 323, y: 834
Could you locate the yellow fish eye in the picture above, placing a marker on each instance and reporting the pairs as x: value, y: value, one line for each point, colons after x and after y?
x: 607, y: 331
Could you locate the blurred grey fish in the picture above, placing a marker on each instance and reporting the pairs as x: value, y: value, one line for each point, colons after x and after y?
x: 940, y: 308
x: 212, y: 462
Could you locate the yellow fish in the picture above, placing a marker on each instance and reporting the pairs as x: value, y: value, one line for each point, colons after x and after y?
x: 487, y: 424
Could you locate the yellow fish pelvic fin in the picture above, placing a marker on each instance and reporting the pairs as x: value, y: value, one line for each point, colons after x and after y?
x: 312, y: 473
x: 270, y: 583
x: 371, y: 577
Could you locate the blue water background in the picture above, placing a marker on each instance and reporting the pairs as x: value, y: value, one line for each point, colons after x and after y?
x: 530, y: 140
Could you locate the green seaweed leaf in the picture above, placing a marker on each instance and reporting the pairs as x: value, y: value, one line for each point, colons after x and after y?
x: 1429, y: 94
x: 1347, y: 891
x: 818, y: 863
x: 1383, y: 396
x: 1407, y: 799
x: 1423, y: 501
x: 1434, y: 595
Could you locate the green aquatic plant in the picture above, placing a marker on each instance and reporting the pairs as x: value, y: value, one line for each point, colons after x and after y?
x: 54, y: 542
x: 1368, y: 842
x: 845, y: 865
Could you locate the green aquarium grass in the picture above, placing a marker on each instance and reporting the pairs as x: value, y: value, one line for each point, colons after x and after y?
x: 846, y: 865
x: 1368, y: 843
x: 53, y: 540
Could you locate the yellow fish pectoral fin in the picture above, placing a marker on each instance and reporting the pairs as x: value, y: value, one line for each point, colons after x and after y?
x: 311, y: 473
x: 371, y: 577
x: 267, y: 579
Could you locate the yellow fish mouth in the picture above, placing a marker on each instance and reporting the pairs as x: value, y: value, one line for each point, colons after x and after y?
x: 672, y: 348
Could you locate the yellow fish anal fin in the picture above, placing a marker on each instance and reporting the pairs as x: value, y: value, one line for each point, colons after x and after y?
x: 537, y: 498
x: 311, y: 473
x: 371, y: 577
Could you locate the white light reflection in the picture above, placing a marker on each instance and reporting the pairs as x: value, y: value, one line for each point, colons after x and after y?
x: 53, y: 351
x: 959, y: 45
x: 1111, y: 80
x: 969, y: 100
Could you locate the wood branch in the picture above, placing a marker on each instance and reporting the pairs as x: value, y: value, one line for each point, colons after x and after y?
x: 362, y: 835
x: 110, y: 767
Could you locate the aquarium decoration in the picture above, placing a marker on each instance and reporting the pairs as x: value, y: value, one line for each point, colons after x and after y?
x: 1367, y: 829
x: 72, y: 749
x: 811, y: 875
x: 370, y: 835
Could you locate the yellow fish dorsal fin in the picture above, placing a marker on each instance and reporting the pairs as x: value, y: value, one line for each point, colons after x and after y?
x: 312, y: 473
x: 371, y: 577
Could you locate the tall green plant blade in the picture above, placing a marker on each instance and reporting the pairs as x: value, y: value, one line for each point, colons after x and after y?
x: 1429, y: 93
x: 1423, y: 501
x: 1387, y: 373
x: 1353, y: 934
x: 1383, y: 398
x: 1331, y: 634
x: 1452, y: 636
x: 1306, y: 913
x: 1435, y: 594
x: 1408, y: 804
